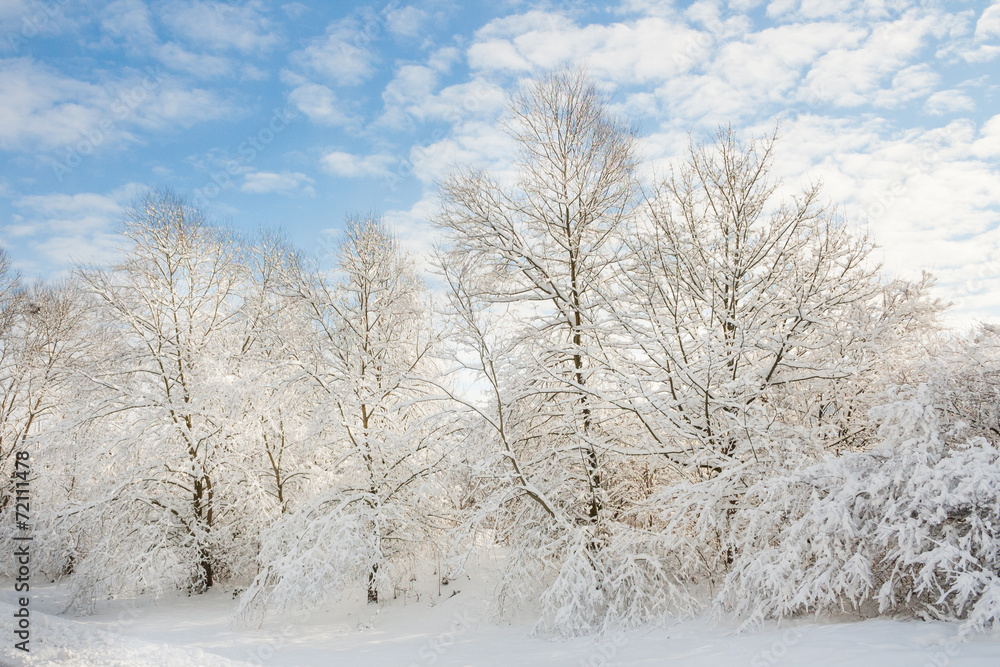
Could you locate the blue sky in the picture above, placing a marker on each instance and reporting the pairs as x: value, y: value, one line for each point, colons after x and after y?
x: 295, y: 115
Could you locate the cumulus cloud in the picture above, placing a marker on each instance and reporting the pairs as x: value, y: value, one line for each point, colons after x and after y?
x: 286, y: 182
x: 342, y: 56
x: 320, y: 104
x: 407, y: 21
x: 617, y: 51
x: 987, y: 145
x: 949, y: 101
x: 68, y: 228
x: 849, y: 75
x: 988, y: 25
x: 221, y: 26
x: 348, y: 165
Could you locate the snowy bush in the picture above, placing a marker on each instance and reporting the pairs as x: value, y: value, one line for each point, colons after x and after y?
x: 912, y: 526
x: 310, y: 557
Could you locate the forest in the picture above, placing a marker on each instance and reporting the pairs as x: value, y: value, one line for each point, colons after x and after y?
x: 649, y: 396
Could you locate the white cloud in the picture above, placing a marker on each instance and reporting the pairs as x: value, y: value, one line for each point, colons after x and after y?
x: 202, y: 65
x: 417, y: 236
x: 443, y: 58
x: 69, y: 228
x: 295, y: 10
x: 407, y: 21
x: 348, y: 165
x: 130, y: 23
x: 949, y: 101
x: 749, y: 73
x: 411, y: 83
x: 220, y: 26
x: 861, y: 10
x: 929, y: 197
x: 342, y: 56
x: 988, y: 25
x: 908, y: 84
x: 286, y: 182
x: 70, y: 206
x: 473, y: 142
x: 614, y: 52
x: 850, y: 75
x: 41, y: 109
x: 174, y: 104
x: 23, y: 20
x: 987, y: 146
x: 984, y: 44
x: 476, y: 99
x: 320, y: 104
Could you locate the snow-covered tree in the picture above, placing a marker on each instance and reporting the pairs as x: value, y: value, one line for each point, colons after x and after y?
x: 743, y: 312
x: 12, y: 371
x: 527, y: 258
x: 43, y: 347
x: 645, y: 364
x: 909, y: 526
x: 372, y: 341
x: 167, y: 430
x: 755, y: 334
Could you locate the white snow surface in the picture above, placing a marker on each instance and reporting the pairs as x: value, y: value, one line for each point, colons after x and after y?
x: 180, y: 631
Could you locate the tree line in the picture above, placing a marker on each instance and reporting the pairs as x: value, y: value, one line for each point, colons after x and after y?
x: 646, y: 394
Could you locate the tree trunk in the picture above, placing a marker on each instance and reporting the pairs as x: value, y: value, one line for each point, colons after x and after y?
x: 372, y: 589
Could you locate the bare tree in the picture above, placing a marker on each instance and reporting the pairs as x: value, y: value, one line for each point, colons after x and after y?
x: 374, y: 505
x: 175, y: 301
x: 11, y: 365
x: 543, y: 244
x: 744, y: 314
x: 39, y: 345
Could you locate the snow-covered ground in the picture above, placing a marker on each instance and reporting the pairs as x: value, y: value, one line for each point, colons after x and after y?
x: 184, y: 631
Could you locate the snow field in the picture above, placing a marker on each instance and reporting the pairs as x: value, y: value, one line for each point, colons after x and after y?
x: 181, y: 631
